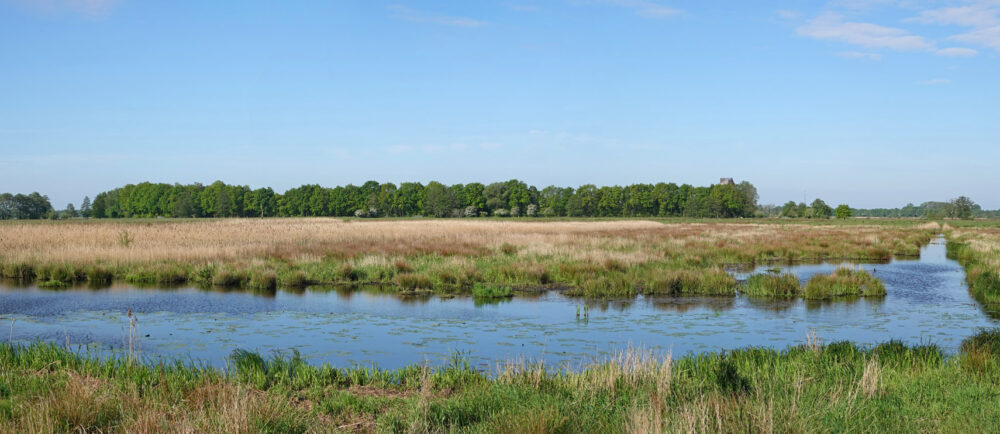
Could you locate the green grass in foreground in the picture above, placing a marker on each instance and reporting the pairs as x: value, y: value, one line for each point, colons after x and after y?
x: 838, y: 387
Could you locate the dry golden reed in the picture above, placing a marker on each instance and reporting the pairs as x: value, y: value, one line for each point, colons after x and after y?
x: 248, y: 240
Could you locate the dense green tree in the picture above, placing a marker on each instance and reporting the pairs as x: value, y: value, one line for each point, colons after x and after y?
x: 439, y: 200
x: 961, y: 207
x: 260, y: 202
x: 409, y: 199
x: 820, y: 209
x: 790, y: 210
x: 472, y: 195
x: 496, y: 196
x: 610, y: 201
x: 843, y: 212
x: 25, y: 206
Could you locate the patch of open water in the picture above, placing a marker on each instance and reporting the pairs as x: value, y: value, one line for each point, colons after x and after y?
x: 927, y: 301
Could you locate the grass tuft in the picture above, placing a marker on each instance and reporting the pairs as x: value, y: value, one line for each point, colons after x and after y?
x: 843, y: 282
x: 772, y: 285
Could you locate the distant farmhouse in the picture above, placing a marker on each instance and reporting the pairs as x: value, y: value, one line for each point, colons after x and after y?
x: 726, y: 181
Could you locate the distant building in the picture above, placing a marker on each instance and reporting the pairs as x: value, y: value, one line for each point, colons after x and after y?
x: 726, y: 181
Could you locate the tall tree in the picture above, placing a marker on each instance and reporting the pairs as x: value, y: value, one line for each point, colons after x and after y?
x: 439, y: 200
x: 843, y: 211
x: 961, y: 207
x: 85, y: 207
x: 820, y: 209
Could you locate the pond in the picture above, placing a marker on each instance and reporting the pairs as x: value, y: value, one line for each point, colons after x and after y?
x: 927, y: 302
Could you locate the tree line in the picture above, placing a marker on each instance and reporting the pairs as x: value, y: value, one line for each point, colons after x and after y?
x: 25, y: 206
x: 374, y: 199
x: 960, y: 207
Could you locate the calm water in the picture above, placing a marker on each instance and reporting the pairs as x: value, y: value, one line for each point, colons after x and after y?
x: 927, y: 301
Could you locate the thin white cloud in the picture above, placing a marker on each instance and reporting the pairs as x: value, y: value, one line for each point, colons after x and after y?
x: 988, y: 36
x: 957, y: 52
x: 860, y: 55
x: 831, y: 26
x: 643, y: 8
x: 976, y: 15
x: 404, y: 13
x: 983, y: 17
x: 934, y: 81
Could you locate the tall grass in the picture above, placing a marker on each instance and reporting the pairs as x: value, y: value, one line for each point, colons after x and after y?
x: 772, y: 285
x: 596, y: 257
x: 845, y: 281
x: 835, y: 387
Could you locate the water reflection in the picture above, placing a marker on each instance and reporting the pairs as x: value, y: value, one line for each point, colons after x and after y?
x: 927, y: 301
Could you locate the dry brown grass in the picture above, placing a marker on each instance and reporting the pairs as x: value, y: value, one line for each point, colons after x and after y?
x: 253, y: 241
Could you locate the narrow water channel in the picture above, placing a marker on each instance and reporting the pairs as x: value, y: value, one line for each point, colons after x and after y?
x: 927, y: 302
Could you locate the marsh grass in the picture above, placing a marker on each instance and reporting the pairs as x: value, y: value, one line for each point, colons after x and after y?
x: 979, y: 253
x: 835, y: 387
x: 773, y: 285
x: 593, y: 257
x: 844, y: 282
x: 485, y: 291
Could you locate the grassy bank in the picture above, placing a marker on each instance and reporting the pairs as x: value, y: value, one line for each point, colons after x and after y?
x: 978, y: 250
x: 593, y: 257
x: 836, y: 387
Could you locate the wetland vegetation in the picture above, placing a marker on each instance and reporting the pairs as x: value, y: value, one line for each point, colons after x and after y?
x: 815, y: 387
x: 591, y: 258
x: 840, y: 386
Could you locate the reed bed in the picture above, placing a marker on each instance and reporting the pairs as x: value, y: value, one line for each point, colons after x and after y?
x: 835, y: 387
x: 592, y: 257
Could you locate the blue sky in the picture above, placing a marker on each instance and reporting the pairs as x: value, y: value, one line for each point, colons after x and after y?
x: 865, y: 102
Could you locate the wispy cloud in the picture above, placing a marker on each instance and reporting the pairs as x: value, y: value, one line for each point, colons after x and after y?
x: 643, y: 8
x: 934, y: 81
x: 405, y: 13
x: 957, y: 52
x: 860, y: 55
x: 988, y: 36
x: 831, y: 26
x: 976, y: 15
x: 982, y: 17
